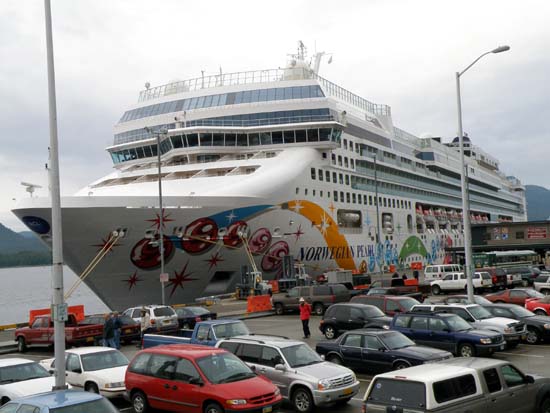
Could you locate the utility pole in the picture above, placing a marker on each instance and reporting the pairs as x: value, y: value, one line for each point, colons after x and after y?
x: 376, y: 202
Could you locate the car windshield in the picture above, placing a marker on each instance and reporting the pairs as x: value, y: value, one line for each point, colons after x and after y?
x: 224, y: 368
x: 520, y: 311
x: 408, y: 303
x: 479, y: 313
x: 481, y: 300
x: 534, y: 293
x: 22, y: 372
x: 457, y: 323
x: 398, y: 393
x: 103, y: 360
x: 231, y: 330
x: 300, y: 355
x: 395, y: 340
x: 95, y: 406
x: 197, y: 310
x: 372, y: 312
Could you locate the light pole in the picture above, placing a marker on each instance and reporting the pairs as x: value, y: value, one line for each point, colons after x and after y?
x: 468, y: 268
x: 377, y: 210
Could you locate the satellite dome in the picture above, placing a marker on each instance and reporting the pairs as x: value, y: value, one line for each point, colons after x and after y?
x: 466, y: 139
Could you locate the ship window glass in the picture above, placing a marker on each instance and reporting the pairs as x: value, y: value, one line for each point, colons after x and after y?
x: 351, y: 164
x: 353, y: 198
x: 339, y: 160
x: 314, y: 192
x: 289, y: 136
x: 147, y: 151
x: 263, y: 95
x: 305, y: 191
x: 387, y: 223
x: 193, y: 103
x: 327, y: 176
x: 351, y: 146
x: 193, y: 139
x: 359, y: 199
x: 347, y: 179
x: 215, y: 100
x: 364, y: 199
x: 393, y: 203
x: 265, y: 138
x: 254, y: 139
x: 335, y: 196
x: 313, y: 135
x: 349, y: 218
x: 238, y: 98
x: 301, y: 135
x: 242, y: 139
x: 200, y: 102
x: 333, y: 157
x: 342, y: 199
x: 254, y: 95
x: 206, y: 139
x: 334, y: 177
x: 277, y: 137
x: 246, y: 97
x: 280, y: 93
x: 341, y: 179
x: 271, y: 94
x: 186, y: 103
x: 153, y: 150
x: 313, y: 173
x: 225, y: 99
x: 208, y: 101
x: 320, y: 175
x: 297, y: 191
x: 345, y: 144
x: 177, y: 142
x: 230, y: 139
x: 409, y: 223
x: 370, y: 200
x: 306, y: 93
x: 324, y: 134
x: 217, y: 139
x: 296, y: 92
x: 346, y: 164
x: 347, y: 197
x: 384, y: 201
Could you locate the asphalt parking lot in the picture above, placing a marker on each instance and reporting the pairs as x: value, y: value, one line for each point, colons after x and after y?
x: 530, y: 359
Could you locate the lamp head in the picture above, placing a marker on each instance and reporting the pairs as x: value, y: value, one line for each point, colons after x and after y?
x: 501, y: 49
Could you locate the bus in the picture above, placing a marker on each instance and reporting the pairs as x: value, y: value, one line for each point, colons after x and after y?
x: 505, y: 258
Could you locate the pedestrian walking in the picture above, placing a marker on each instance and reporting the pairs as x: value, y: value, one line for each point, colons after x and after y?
x: 145, y: 320
x: 117, y: 325
x: 109, y: 332
x: 305, y: 313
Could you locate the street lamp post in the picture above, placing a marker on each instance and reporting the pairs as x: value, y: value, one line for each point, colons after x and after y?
x: 377, y: 210
x: 468, y: 267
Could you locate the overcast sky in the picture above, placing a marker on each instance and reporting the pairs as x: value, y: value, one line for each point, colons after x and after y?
x: 401, y: 53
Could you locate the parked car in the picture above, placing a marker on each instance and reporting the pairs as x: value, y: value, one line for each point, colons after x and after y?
x: 131, y: 330
x: 378, y: 351
x: 197, y: 379
x: 41, y: 333
x: 457, y: 281
x: 21, y: 377
x: 303, y: 377
x: 60, y: 401
x: 458, y: 299
x: 526, y: 273
x: 434, y: 272
x: 401, y: 286
x: 514, y: 296
x: 163, y: 319
x: 205, y: 332
x: 542, y: 283
x: 539, y: 306
x: 513, y: 279
x: 447, y: 332
x: 94, y: 369
x: 458, y: 386
x: 350, y: 316
x: 498, y: 276
x: 538, y: 326
x: 189, y: 316
x: 512, y: 330
x: 393, y: 292
x: 388, y: 304
x: 319, y: 296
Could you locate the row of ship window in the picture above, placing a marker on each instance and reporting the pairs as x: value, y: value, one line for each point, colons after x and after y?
x: 208, y: 139
x: 224, y: 99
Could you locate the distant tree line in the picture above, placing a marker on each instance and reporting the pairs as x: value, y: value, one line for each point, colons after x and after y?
x: 25, y: 259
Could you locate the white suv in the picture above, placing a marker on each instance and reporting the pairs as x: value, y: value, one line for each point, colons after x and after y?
x: 542, y: 283
x: 457, y: 281
x: 161, y: 317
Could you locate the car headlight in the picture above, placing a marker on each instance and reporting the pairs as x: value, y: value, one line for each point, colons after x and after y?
x: 485, y: 340
x: 508, y: 330
x: 277, y: 392
x: 354, y: 377
x: 547, y: 326
x: 386, y: 327
x: 324, y: 384
x: 114, y: 385
x: 236, y: 402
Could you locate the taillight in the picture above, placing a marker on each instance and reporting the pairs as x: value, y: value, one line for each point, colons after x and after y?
x: 364, y: 408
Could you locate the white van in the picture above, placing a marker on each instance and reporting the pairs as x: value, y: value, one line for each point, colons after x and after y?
x: 435, y: 272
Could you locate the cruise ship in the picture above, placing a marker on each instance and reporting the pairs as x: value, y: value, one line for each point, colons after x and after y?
x: 276, y: 167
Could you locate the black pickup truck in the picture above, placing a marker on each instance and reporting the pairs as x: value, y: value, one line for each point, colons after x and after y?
x: 396, y: 286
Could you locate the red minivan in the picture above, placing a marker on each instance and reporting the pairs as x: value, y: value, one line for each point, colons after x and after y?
x: 197, y: 379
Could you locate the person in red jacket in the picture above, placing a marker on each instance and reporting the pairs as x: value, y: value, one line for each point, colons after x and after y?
x: 305, y: 312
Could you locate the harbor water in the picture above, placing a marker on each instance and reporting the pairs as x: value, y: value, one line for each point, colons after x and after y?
x: 27, y: 288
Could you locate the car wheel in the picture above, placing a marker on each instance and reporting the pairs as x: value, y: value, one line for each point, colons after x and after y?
x: 279, y: 309
x: 91, y: 387
x: 139, y: 402
x: 400, y: 365
x: 466, y: 350
x: 4, y: 400
x: 540, y: 312
x: 318, y: 309
x: 545, y: 406
x: 21, y: 345
x: 533, y: 336
x: 329, y: 332
x: 213, y: 408
x: 335, y: 359
x: 436, y: 290
x: 302, y: 400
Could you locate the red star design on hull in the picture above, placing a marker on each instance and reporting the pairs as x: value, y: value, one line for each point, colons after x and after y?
x: 214, y: 260
x: 179, y: 279
x: 104, y: 242
x: 156, y: 221
x: 132, y: 281
x: 298, y: 233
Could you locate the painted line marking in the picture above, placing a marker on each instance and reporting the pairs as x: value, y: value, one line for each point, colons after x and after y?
x: 522, y: 355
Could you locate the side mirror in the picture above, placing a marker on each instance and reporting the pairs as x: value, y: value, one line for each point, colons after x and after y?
x: 253, y: 368
x: 195, y: 380
x: 280, y: 367
x: 77, y: 371
x: 529, y: 379
x: 51, y: 371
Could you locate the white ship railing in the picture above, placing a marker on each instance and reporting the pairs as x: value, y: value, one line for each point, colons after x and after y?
x: 262, y: 76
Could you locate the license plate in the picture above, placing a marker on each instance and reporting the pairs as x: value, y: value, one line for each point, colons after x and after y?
x: 89, y: 339
x: 267, y: 409
x: 166, y: 321
x: 209, y: 318
x: 347, y: 391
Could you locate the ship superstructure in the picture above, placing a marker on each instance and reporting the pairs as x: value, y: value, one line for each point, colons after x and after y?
x: 283, y: 160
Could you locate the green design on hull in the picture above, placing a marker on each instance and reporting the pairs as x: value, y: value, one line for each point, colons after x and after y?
x: 413, y: 245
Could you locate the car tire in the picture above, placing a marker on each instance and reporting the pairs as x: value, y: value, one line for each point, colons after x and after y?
x: 466, y: 350
x: 318, y: 309
x: 4, y: 400
x: 436, y: 289
x: 21, y: 345
x: 213, y: 408
x: 533, y: 336
x: 540, y: 312
x: 279, y: 309
x: 301, y: 400
x: 545, y: 406
x: 330, y: 332
x: 401, y: 365
x: 335, y: 359
x: 139, y: 402
x: 91, y: 387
